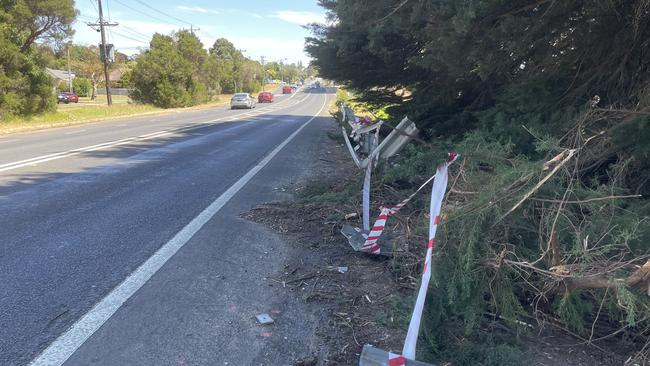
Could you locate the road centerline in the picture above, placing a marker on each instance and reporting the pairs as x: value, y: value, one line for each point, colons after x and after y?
x: 64, y: 154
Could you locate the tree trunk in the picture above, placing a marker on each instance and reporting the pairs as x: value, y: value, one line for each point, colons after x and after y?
x: 94, y: 93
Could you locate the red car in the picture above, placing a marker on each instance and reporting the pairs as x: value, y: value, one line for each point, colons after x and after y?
x: 67, y: 98
x: 287, y: 89
x: 265, y: 97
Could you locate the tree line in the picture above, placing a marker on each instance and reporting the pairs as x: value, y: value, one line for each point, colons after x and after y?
x: 175, y: 71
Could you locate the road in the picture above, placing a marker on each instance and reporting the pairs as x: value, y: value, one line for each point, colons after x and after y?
x: 122, y: 242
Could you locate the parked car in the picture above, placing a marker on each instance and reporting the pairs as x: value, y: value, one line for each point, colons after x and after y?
x: 242, y: 100
x: 67, y: 98
x: 287, y: 89
x: 265, y: 97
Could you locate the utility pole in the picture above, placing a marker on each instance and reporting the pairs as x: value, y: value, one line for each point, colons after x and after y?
x: 69, y: 73
x: 101, y: 26
x: 192, y: 29
x: 263, y: 73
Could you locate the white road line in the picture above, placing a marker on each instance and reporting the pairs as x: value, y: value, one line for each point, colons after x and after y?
x: 67, y: 343
x: 64, y: 154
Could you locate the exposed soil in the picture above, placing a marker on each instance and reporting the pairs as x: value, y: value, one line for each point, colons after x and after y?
x: 362, y: 301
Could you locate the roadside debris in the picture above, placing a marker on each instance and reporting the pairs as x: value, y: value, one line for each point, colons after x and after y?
x: 366, y: 239
x: 264, y: 319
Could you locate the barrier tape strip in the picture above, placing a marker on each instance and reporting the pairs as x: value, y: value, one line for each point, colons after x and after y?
x: 396, y: 360
x: 366, y: 198
x: 371, y: 244
x: 437, y: 195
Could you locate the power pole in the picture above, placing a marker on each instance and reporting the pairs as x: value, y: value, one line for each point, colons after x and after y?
x: 192, y: 29
x: 101, y: 26
x: 69, y: 73
x: 263, y: 73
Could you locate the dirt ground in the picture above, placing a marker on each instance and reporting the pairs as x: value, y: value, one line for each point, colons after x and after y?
x: 360, y: 294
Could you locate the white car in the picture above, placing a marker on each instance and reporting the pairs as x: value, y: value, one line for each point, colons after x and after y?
x: 242, y: 100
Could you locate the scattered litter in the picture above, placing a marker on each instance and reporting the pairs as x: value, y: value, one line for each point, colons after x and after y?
x: 264, y: 319
x: 266, y: 334
x: 350, y: 216
x: 342, y: 269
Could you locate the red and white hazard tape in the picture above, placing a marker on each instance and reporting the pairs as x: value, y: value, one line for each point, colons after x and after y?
x: 437, y: 195
x: 371, y: 244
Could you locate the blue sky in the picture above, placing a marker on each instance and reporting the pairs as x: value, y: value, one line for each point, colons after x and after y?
x: 258, y: 27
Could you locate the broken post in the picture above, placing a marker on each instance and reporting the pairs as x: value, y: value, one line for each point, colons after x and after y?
x: 374, y: 150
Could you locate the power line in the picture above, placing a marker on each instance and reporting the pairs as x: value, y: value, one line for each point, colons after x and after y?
x: 163, y: 13
x: 94, y: 5
x: 131, y: 38
x: 141, y: 12
x: 134, y: 32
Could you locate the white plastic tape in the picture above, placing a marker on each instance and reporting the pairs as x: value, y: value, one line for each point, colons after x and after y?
x: 366, y: 198
x: 437, y: 195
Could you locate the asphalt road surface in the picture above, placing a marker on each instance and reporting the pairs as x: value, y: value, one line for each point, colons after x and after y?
x: 121, y: 242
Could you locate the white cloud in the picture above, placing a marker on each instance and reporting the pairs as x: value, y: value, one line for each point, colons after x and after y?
x: 299, y: 17
x: 196, y: 9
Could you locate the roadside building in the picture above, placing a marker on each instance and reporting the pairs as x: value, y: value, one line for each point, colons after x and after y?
x: 59, y: 76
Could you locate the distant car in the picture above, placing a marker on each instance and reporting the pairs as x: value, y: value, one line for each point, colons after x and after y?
x: 242, y: 100
x: 265, y: 97
x: 287, y: 89
x: 67, y: 98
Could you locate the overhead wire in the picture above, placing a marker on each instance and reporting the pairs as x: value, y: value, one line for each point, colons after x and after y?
x: 162, y: 12
x: 141, y: 12
x: 134, y: 32
x: 131, y: 38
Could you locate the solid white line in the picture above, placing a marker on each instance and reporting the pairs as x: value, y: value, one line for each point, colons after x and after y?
x: 67, y: 343
x: 64, y: 154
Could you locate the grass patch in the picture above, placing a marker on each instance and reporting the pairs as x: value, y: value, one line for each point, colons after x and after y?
x: 88, y: 110
x: 73, y: 115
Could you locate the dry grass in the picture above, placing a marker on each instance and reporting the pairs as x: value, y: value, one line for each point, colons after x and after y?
x: 88, y: 110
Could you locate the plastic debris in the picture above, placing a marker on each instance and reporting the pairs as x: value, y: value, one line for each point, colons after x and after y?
x: 264, y: 319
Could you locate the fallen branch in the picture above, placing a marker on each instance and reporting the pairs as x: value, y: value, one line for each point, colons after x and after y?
x: 570, y: 154
x: 587, y: 200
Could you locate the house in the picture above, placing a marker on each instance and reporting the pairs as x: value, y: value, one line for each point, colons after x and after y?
x: 59, y: 75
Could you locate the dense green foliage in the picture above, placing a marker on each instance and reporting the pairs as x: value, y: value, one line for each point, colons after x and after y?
x: 174, y: 72
x: 25, y: 88
x: 177, y: 71
x: 511, y: 85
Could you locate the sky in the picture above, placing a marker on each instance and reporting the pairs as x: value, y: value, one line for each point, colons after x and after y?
x: 272, y: 29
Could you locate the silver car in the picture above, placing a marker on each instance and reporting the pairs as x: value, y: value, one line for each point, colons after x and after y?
x: 242, y: 100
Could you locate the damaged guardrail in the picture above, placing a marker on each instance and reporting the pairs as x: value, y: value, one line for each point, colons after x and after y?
x: 370, y: 239
x: 366, y: 155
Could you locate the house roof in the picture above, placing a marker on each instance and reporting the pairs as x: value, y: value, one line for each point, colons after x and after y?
x: 59, y: 74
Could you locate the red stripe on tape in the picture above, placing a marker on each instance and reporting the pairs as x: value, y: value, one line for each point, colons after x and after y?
x: 397, y: 361
x: 436, y: 220
x: 432, y: 243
